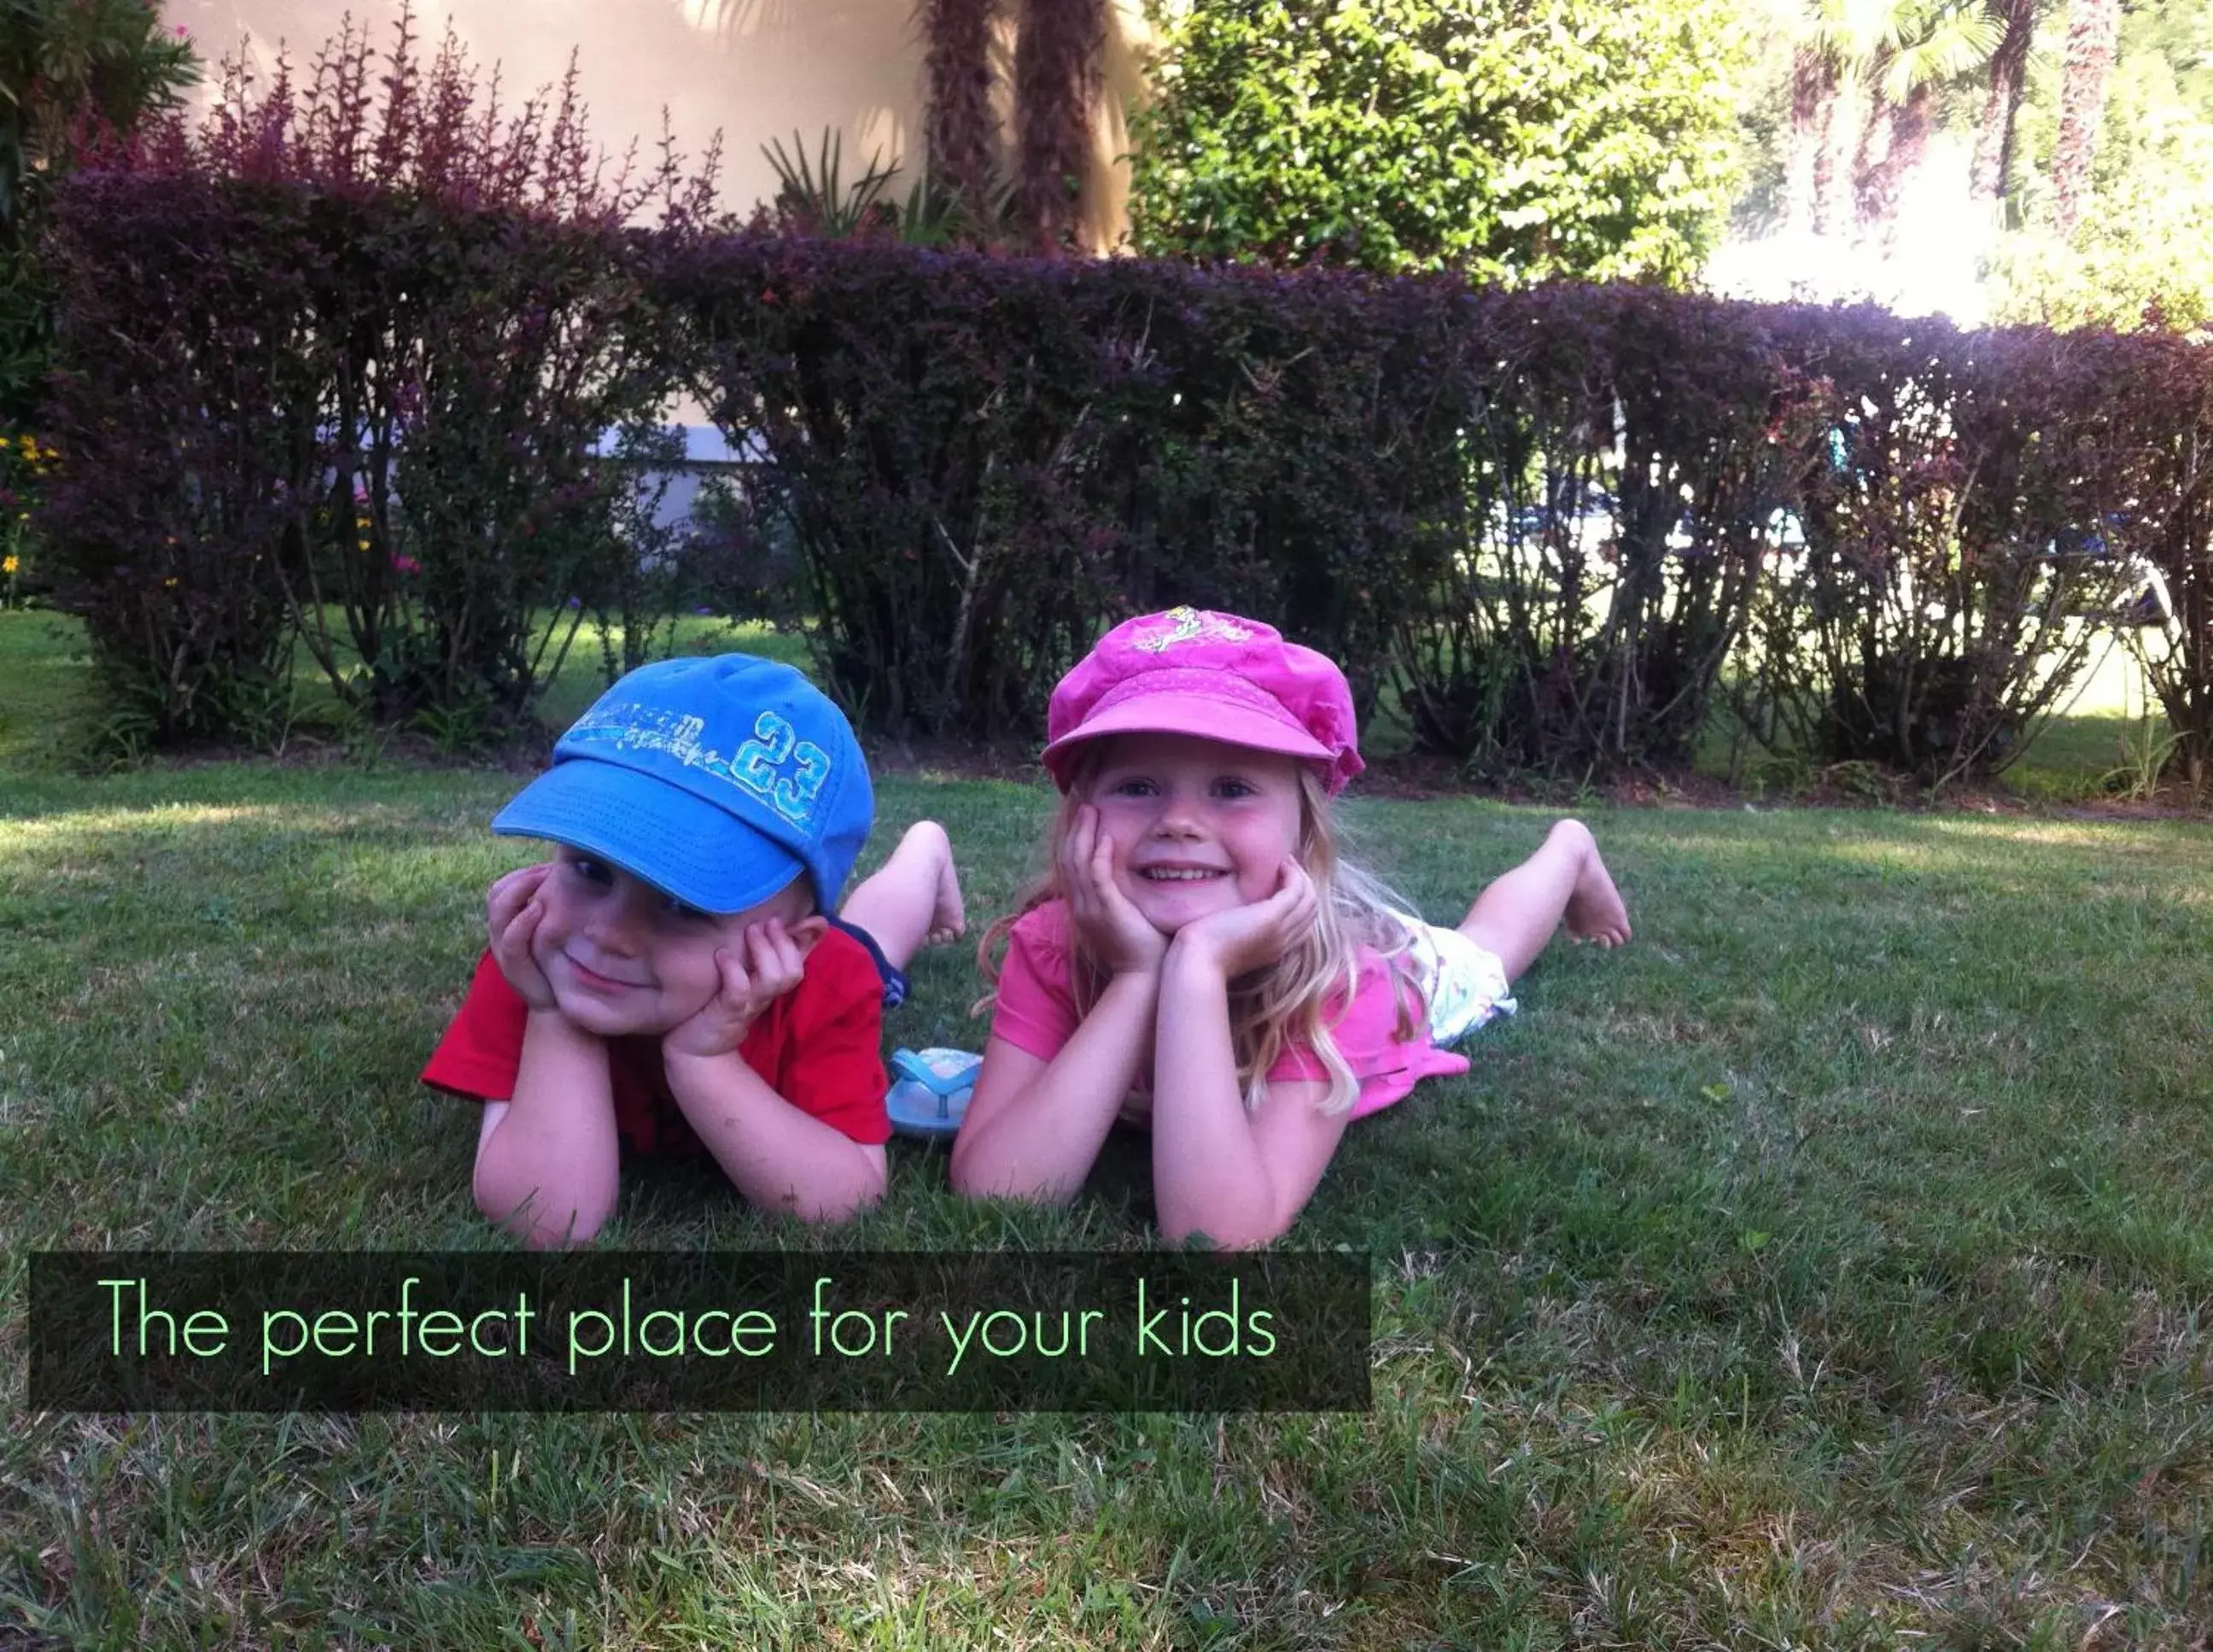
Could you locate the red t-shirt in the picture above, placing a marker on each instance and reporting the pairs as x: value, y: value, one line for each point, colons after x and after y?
x: 819, y: 1046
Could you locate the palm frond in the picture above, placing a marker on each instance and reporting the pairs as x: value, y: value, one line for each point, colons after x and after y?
x: 816, y: 188
x: 1957, y: 44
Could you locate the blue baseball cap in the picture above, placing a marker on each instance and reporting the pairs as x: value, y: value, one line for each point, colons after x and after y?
x: 717, y: 780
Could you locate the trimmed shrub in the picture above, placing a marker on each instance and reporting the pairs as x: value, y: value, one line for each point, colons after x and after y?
x: 1623, y: 450
x: 1957, y: 506
x: 351, y: 388
x: 983, y: 460
x: 340, y: 382
x: 2162, y: 392
x: 1561, y: 520
x: 70, y: 70
x: 167, y: 528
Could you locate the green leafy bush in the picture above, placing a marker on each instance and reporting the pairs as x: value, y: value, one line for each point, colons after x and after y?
x: 1515, y: 140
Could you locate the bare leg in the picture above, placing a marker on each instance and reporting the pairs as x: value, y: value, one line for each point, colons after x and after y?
x: 913, y: 897
x: 1565, y: 880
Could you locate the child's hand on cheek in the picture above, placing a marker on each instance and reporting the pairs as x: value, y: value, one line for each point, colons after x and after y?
x: 512, y: 913
x: 1248, y: 937
x: 1106, y: 924
x: 772, y: 966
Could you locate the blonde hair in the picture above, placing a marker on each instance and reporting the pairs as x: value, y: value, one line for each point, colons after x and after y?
x: 1285, y: 1003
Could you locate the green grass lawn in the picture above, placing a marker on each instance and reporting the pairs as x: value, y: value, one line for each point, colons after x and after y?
x: 1832, y: 1267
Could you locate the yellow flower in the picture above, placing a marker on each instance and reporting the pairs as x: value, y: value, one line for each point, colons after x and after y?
x: 8, y: 566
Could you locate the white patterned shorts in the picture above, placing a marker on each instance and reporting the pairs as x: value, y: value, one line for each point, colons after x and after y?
x: 1463, y: 985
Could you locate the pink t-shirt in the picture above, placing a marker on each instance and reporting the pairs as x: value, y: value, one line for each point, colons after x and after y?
x: 1037, y: 1013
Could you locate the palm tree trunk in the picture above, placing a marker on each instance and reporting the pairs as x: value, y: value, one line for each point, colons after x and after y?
x: 1812, y: 90
x: 2092, y: 27
x: 959, y: 127
x: 1869, y: 152
x: 1993, y: 167
x: 1841, y: 114
x: 1881, y: 179
x: 1059, y: 64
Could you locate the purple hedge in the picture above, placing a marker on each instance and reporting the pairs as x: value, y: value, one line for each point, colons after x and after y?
x: 983, y: 459
x: 334, y: 382
x: 1548, y: 529
x: 1557, y: 523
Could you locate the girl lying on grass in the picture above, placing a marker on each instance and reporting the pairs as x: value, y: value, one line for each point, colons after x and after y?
x: 1199, y: 959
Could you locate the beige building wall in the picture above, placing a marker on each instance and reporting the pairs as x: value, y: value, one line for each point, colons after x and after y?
x: 759, y: 69
x: 1129, y: 40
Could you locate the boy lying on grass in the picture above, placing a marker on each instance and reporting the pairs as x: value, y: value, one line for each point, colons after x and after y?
x: 672, y: 979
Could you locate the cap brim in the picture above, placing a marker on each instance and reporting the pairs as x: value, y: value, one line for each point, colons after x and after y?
x: 1177, y: 714
x: 704, y: 855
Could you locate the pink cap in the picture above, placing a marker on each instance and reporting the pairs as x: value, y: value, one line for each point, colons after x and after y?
x: 1191, y: 671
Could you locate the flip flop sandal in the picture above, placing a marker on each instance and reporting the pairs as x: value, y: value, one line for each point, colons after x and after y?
x: 931, y: 1090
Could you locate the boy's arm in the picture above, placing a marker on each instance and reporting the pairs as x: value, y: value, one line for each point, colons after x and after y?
x: 779, y: 1157
x: 547, y: 1158
x: 775, y: 1152
x: 546, y: 1150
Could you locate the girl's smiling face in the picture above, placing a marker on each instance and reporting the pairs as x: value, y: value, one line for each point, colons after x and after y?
x: 1198, y: 827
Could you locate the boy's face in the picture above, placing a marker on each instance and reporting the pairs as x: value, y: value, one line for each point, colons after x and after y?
x: 623, y: 958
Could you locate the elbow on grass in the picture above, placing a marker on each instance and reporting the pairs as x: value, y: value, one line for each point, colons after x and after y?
x: 831, y: 1193
x: 541, y: 1222
x: 842, y: 1206
x: 960, y: 1173
x: 989, y: 1181
x: 1195, y: 1228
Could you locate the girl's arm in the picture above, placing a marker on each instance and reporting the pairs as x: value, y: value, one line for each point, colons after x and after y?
x: 1034, y: 1125
x: 1238, y: 1178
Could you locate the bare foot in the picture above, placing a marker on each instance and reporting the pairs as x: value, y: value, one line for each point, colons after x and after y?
x: 1595, y: 913
x: 948, y: 918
